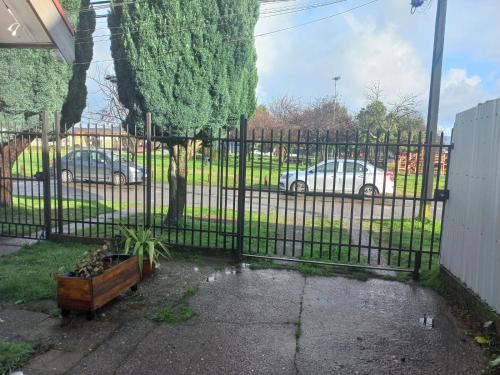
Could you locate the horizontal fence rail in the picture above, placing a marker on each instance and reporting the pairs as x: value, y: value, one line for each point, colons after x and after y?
x: 309, y: 196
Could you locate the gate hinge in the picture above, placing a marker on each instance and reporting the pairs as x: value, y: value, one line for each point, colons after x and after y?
x: 441, y: 195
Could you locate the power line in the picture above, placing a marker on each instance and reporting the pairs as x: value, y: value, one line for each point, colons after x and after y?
x: 107, y: 4
x: 257, y: 35
x: 267, y: 33
x: 272, y: 13
x: 316, y: 20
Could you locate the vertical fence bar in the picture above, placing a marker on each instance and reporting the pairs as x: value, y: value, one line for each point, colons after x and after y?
x: 241, y: 187
x: 148, y: 170
x: 416, y: 269
x: 46, y: 173
x: 425, y: 197
x: 58, y: 174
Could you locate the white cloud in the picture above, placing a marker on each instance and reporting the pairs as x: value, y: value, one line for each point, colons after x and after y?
x: 459, y: 92
x: 473, y: 25
x: 270, y: 51
x: 302, y: 63
x: 384, y: 44
x: 380, y: 54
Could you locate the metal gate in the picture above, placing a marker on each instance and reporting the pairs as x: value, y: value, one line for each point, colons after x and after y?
x: 352, y: 199
x: 24, y: 207
x: 349, y: 199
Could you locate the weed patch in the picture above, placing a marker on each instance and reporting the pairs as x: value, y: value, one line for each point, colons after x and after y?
x: 13, y: 354
x: 310, y: 269
x: 180, y: 312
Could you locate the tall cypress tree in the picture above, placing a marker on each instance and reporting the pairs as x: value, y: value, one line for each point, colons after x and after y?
x: 76, y: 100
x: 33, y: 80
x: 192, y: 64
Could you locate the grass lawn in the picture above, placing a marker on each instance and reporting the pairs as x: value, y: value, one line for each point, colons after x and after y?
x: 26, y: 214
x: 402, y: 234
x: 199, y: 228
x: 264, y: 234
x: 410, y: 184
x: 13, y: 355
x: 25, y: 276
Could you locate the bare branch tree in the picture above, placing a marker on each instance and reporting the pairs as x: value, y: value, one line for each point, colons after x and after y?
x: 113, y: 112
x: 378, y: 116
x: 287, y: 111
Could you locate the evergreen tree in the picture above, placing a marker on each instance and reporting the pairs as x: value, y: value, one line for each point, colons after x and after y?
x: 76, y: 99
x: 192, y: 64
x: 34, y: 80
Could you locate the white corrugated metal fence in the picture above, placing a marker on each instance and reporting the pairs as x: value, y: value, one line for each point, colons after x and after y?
x: 471, y: 229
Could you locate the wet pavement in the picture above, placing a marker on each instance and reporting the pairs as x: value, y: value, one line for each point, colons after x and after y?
x: 255, y: 322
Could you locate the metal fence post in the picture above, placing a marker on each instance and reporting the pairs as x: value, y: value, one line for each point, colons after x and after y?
x: 46, y: 174
x: 241, y: 187
x: 425, y: 196
x: 148, y: 169
x: 58, y: 172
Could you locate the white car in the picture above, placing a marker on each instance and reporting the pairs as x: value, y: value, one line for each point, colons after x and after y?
x: 339, y: 176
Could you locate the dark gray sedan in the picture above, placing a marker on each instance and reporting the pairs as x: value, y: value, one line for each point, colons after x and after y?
x: 99, y: 165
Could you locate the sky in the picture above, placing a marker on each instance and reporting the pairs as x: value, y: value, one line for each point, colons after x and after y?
x: 379, y: 43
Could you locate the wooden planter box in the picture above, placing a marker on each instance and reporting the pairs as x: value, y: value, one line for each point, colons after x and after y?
x: 87, y: 295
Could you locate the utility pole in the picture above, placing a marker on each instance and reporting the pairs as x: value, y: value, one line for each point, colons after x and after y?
x: 335, y: 80
x: 433, y: 110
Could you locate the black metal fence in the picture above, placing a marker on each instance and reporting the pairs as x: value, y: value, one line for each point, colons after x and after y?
x: 306, y: 196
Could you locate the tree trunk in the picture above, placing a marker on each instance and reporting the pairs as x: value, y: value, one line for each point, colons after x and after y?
x: 177, y: 182
x: 9, y: 153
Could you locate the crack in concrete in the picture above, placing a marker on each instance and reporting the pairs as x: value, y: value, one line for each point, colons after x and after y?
x: 106, y: 340
x: 299, y: 328
x: 134, y: 348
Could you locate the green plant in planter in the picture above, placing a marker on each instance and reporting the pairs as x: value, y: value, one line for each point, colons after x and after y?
x: 92, y: 264
x: 143, y: 244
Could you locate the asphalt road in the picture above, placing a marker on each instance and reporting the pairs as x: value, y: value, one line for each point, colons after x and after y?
x: 264, y: 203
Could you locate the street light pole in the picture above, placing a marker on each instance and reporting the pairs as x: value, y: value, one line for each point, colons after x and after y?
x: 433, y: 110
x: 335, y: 80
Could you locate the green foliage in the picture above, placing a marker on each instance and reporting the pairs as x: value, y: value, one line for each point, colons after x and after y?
x: 13, y: 354
x: 173, y: 316
x: 92, y: 263
x: 76, y: 100
x: 179, y: 312
x: 190, y: 63
x: 142, y: 244
x: 494, y: 363
x: 191, y: 291
x: 33, y: 80
x: 376, y: 119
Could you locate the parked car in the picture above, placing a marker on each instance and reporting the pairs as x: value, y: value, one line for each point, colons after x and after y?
x: 99, y: 165
x: 342, y: 176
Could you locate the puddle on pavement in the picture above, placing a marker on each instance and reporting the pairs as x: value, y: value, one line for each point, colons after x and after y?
x: 232, y: 270
x: 427, y: 322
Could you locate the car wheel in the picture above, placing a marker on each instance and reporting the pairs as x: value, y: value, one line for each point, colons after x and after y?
x: 119, y: 179
x: 299, y: 187
x: 66, y: 176
x: 368, y: 191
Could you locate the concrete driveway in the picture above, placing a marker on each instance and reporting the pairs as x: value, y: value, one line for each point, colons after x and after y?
x: 254, y: 322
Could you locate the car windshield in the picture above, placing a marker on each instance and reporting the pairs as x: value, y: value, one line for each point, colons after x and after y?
x: 115, y: 156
